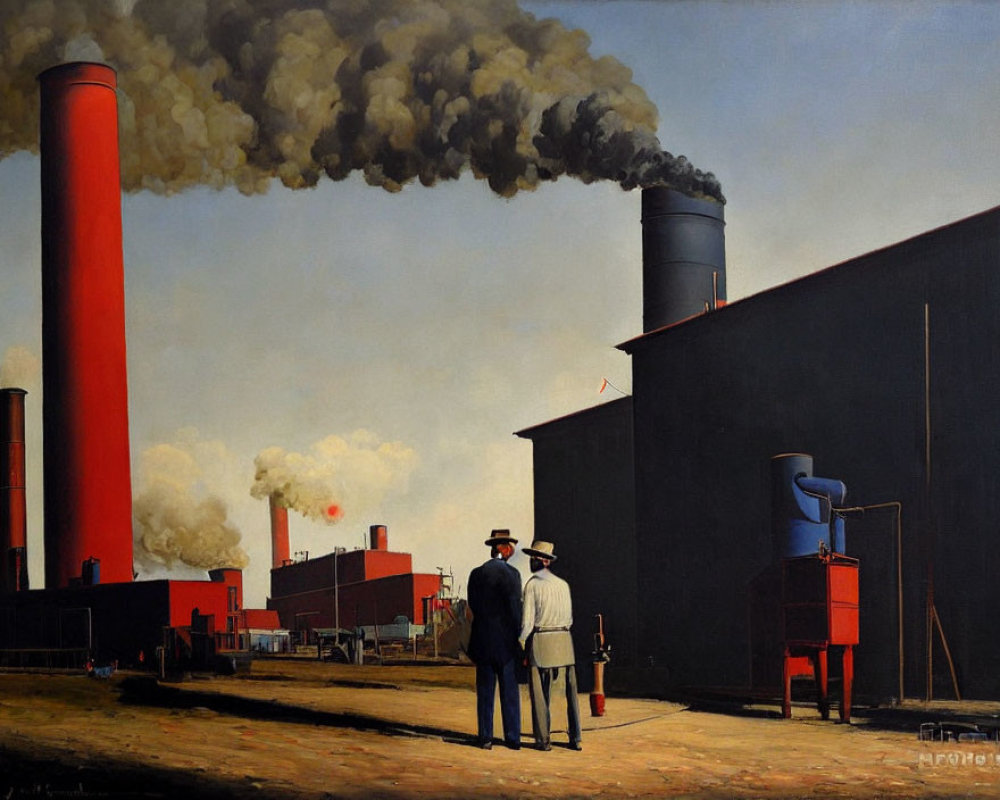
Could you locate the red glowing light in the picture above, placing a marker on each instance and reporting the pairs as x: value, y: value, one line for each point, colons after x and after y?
x: 334, y: 511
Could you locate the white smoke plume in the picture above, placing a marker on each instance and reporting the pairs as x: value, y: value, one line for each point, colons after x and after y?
x: 337, y: 477
x: 237, y: 92
x: 19, y: 368
x: 176, y: 520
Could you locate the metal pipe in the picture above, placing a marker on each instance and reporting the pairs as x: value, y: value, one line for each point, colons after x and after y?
x: 88, y: 489
x: 898, y: 506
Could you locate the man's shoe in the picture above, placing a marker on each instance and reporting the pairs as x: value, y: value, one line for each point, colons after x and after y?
x: 486, y: 744
x: 575, y: 746
x: 513, y: 745
x: 544, y: 745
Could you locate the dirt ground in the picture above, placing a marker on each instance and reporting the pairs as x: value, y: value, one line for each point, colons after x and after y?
x: 309, y: 730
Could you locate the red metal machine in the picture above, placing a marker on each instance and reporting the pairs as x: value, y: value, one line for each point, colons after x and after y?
x: 819, y: 608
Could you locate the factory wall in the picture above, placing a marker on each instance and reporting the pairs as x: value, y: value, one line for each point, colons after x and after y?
x: 832, y: 365
x: 103, y: 616
x: 352, y: 566
x: 211, y: 599
x: 591, y: 520
x: 371, y: 602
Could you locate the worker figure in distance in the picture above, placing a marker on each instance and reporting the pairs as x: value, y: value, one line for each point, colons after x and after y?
x: 545, y: 633
x: 495, y: 602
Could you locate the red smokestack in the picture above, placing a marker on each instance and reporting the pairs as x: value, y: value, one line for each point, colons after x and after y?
x: 88, y: 491
x: 379, y: 537
x: 13, y: 508
x: 279, y: 533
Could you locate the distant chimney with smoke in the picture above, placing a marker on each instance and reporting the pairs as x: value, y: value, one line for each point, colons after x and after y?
x: 280, y: 552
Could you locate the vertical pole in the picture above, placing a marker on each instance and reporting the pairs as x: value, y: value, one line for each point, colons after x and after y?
x: 899, y: 591
x: 929, y: 622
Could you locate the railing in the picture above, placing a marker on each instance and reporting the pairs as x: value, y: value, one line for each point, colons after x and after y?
x: 44, y: 657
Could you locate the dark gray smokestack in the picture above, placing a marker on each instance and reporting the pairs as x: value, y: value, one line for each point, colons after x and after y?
x: 683, y: 257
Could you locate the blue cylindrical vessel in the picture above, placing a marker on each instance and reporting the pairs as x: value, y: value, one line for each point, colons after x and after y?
x: 802, y: 516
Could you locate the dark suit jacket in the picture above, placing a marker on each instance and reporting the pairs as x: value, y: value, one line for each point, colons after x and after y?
x: 495, y: 601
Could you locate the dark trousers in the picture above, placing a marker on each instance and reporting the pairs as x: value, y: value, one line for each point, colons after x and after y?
x: 541, y: 719
x: 488, y: 674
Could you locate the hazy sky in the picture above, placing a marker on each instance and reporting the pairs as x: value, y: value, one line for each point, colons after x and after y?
x: 439, y: 321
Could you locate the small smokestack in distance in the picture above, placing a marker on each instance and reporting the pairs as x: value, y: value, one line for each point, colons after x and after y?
x: 13, y: 506
x: 280, y: 554
x: 683, y: 256
x: 379, y: 537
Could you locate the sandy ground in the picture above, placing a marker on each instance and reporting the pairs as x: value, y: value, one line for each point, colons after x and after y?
x: 310, y: 730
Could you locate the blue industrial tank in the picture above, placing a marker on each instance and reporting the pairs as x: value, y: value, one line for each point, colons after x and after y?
x: 803, y: 519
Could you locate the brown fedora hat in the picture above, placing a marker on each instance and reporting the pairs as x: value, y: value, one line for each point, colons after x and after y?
x: 500, y: 536
x: 540, y: 549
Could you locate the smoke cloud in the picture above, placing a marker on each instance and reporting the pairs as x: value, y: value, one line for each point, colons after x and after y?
x: 338, y: 478
x: 237, y: 92
x: 19, y: 368
x: 176, y: 519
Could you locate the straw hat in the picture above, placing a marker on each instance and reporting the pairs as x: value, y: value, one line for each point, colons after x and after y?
x: 540, y: 549
x: 500, y: 536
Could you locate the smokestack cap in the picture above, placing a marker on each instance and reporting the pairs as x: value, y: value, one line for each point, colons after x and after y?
x: 661, y: 200
x: 79, y: 72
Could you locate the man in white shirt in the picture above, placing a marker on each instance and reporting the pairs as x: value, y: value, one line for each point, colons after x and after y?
x: 545, y: 633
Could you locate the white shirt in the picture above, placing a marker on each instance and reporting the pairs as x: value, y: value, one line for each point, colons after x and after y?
x: 547, y: 603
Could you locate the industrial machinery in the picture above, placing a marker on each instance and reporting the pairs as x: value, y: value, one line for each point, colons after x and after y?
x: 600, y: 657
x: 818, y: 605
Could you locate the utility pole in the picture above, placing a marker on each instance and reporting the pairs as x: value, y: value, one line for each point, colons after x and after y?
x: 336, y: 595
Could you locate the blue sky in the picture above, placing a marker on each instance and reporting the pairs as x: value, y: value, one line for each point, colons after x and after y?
x: 445, y: 319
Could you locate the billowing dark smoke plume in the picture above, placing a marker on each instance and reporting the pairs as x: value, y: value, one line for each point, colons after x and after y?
x: 236, y: 92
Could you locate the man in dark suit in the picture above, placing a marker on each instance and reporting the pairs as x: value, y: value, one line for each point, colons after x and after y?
x: 495, y: 602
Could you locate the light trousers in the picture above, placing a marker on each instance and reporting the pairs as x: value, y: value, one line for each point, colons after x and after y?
x: 538, y: 688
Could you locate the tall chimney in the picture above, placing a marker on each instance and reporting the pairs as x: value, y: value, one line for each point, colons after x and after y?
x: 379, y: 537
x: 13, y: 507
x: 88, y: 491
x: 683, y: 257
x: 280, y: 554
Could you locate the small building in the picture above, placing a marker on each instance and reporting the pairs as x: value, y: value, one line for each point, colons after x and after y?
x: 261, y: 632
x: 350, y: 589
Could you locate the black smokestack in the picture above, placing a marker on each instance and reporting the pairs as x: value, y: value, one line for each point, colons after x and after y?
x: 237, y: 92
x: 683, y: 257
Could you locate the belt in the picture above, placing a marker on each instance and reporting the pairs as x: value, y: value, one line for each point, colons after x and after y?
x: 552, y: 629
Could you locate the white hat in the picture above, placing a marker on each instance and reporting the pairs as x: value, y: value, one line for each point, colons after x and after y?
x: 540, y: 549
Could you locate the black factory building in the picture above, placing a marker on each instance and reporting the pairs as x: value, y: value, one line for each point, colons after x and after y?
x: 885, y: 369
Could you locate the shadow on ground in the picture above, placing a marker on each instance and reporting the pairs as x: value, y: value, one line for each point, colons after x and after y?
x: 59, y: 775
x: 145, y: 691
